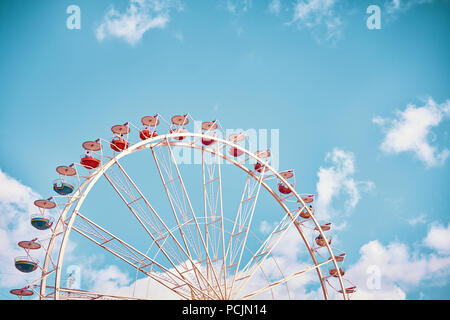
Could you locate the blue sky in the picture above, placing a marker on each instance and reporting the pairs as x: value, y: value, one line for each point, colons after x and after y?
x: 337, y: 91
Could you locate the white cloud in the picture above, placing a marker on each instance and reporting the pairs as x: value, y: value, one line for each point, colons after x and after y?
x: 420, y: 219
x: 395, y: 269
x: 265, y: 227
x: 394, y: 6
x: 313, y: 9
x: 320, y: 17
x: 16, y: 206
x: 385, y: 272
x: 112, y: 280
x: 336, y: 180
x: 140, y: 16
x: 179, y: 36
x: 237, y: 7
x: 380, y: 121
x: 275, y: 7
x: 411, y: 130
x: 438, y: 238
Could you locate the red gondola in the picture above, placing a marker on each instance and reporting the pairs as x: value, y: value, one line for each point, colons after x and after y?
x: 147, y: 134
x: 349, y: 290
x: 149, y: 121
x: 282, y: 187
x: 90, y: 162
x: 236, y: 138
x: 259, y: 167
x: 324, y: 227
x: 308, y: 199
x: 335, y: 273
x: 208, y: 141
x: 179, y: 130
x: 208, y: 128
x: 179, y: 122
x: 119, y: 144
x: 305, y: 213
x: 340, y: 257
x: 321, y: 241
x: 235, y: 152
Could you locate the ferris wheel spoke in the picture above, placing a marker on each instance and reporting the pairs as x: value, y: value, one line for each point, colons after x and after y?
x: 200, y: 238
x: 242, y: 223
x: 169, y: 179
x: 194, y: 237
x: 266, y: 248
x: 172, y: 198
x: 211, y: 203
x: 175, y: 250
x: 132, y: 256
x: 285, y: 279
x: 159, y: 237
x: 283, y: 205
x: 113, y: 244
x: 241, y: 276
x: 201, y: 242
x: 222, y: 222
x: 33, y: 284
x: 156, y: 233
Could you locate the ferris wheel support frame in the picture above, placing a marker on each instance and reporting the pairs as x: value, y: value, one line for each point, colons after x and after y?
x: 87, y: 185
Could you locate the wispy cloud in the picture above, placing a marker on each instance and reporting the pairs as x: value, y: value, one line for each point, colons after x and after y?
x: 139, y: 17
x: 320, y: 17
x: 179, y: 36
x: 238, y: 7
x: 313, y: 10
x: 275, y: 6
x: 265, y: 227
x: 395, y: 6
x: 420, y: 219
x: 336, y: 180
x: 411, y: 130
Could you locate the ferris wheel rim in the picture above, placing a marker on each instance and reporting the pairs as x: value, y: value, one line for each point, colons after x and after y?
x: 85, y: 187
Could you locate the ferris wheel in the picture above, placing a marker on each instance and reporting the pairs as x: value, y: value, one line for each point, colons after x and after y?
x: 190, y: 229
